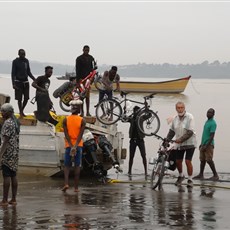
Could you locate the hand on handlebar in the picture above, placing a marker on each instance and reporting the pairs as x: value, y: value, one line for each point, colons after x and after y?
x: 116, y: 90
x: 166, y: 142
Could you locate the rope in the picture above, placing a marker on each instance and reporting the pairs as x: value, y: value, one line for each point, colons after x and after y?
x: 113, y: 181
x: 204, y: 185
x: 194, y: 87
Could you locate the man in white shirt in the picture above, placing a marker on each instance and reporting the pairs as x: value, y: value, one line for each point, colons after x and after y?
x: 182, y: 128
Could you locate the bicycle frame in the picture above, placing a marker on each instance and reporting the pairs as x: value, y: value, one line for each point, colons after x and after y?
x: 91, y: 77
x: 82, y: 86
x: 78, y: 91
x: 109, y: 111
x: 124, y: 101
x: 160, y: 163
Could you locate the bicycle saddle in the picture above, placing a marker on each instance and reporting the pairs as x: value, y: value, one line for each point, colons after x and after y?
x: 123, y: 93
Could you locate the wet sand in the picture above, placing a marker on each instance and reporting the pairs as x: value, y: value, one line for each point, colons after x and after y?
x: 124, y: 205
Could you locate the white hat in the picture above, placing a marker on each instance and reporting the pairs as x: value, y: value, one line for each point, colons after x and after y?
x: 7, y: 107
x: 76, y: 102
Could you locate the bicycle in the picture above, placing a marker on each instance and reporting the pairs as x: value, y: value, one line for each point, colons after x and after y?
x: 77, y: 91
x: 109, y: 111
x: 161, y: 163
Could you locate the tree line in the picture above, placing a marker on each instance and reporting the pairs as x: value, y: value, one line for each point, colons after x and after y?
x: 165, y: 70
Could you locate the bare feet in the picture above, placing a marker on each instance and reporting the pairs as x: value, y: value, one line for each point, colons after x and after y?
x: 3, y: 203
x: 13, y: 202
x: 65, y: 188
x: 214, y: 178
x: 76, y: 190
x: 198, y: 177
x: 22, y: 115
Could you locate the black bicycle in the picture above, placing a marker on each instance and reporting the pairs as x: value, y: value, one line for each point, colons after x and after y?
x: 161, y: 163
x: 109, y: 111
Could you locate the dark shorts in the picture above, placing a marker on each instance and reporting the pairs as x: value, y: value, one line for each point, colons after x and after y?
x: 23, y: 89
x: 77, y: 158
x: 7, y: 172
x: 102, y: 93
x: 188, y: 156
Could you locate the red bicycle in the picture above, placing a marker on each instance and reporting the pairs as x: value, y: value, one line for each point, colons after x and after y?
x: 77, y: 91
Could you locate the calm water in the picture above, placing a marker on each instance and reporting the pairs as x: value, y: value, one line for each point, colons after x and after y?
x: 131, y: 204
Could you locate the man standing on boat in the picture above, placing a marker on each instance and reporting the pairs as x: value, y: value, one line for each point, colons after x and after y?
x: 85, y: 63
x: 19, y: 74
x: 44, y: 104
x: 74, y: 126
x: 109, y: 77
x: 9, y: 153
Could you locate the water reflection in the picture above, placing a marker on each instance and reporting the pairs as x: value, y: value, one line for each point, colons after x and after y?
x: 182, y: 213
x: 71, y: 199
x: 101, y: 198
x: 137, y: 207
x: 9, y: 218
x: 209, y: 214
x: 75, y: 222
x: 207, y: 191
x: 119, y: 206
x: 175, y: 210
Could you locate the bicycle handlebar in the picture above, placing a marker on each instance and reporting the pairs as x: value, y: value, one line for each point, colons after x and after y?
x: 165, y: 140
x: 158, y: 137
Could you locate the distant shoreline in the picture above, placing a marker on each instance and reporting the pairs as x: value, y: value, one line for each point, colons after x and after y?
x: 206, y: 70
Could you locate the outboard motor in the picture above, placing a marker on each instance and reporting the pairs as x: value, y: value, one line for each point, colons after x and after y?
x: 106, y: 147
x: 90, y: 146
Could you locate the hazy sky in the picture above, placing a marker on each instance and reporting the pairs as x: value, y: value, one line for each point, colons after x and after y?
x: 118, y: 33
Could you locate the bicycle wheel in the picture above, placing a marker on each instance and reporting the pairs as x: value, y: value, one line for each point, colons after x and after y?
x: 63, y: 106
x: 98, y: 83
x: 100, y: 86
x: 158, y: 174
x: 148, y: 122
x: 108, y: 111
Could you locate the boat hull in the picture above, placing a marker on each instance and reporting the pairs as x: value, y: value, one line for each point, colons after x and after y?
x: 172, y: 86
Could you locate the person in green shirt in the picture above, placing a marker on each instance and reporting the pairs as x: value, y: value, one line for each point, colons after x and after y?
x: 207, y: 146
